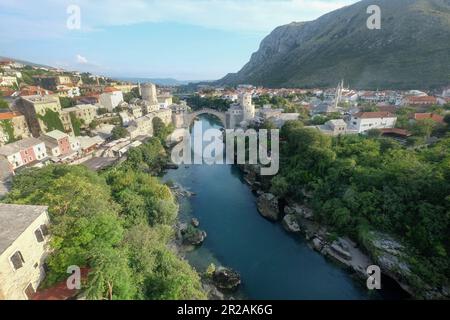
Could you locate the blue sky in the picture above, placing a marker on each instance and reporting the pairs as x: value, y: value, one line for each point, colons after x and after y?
x: 182, y: 39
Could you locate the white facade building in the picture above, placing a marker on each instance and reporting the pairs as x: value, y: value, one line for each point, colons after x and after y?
x: 364, y: 121
x: 111, y: 100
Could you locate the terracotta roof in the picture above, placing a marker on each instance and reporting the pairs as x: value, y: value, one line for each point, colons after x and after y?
x: 9, y: 115
x: 387, y: 108
x: 432, y: 116
x: 424, y: 99
x: 371, y: 115
x: 110, y: 89
x: 60, y: 291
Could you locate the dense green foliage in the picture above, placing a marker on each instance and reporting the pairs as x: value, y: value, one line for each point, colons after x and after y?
x: 8, y: 129
x: 161, y: 130
x: 3, y: 103
x: 67, y: 102
x: 118, y: 224
x: 357, y: 183
x: 52, y: 121
x: 119, y: 132
x: 196, y: 103
x: 76, y: 124
x: 133, y: 94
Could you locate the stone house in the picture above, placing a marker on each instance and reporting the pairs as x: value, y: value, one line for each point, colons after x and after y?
x: 24, y: 237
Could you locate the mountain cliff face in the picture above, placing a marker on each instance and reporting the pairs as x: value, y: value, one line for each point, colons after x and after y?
x: 412, y: 49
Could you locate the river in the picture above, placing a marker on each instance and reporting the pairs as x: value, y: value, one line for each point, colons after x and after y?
x: 273, y: 264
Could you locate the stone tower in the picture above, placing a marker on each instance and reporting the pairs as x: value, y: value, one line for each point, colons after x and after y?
x: 148, y: 91
x: 247, y: 106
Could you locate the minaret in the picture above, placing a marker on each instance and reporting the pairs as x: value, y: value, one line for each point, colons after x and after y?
x: 338, y: 97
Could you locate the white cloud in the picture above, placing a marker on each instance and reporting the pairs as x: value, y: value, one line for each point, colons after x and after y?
x: 81, y: 59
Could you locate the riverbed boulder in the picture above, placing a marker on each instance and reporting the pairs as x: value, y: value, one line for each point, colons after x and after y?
x: 195, y: 223
x: 193, y: 236
x: 268, y: 206
x: 317, y: 244
x: 290, y: 223
x: 226, y: 279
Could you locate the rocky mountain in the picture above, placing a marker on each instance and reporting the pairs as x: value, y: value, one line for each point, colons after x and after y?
x: 411, y: 50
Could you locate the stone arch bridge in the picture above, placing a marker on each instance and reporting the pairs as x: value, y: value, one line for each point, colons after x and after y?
x: 190, y: 117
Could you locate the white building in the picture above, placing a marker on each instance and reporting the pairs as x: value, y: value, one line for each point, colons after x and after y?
x: 8, y: 81
x: 364, y: 121
x: 75, y: 144
x: 111, y: 100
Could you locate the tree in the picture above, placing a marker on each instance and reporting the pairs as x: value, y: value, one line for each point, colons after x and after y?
x: 423, y: 128
x: 374, y: 133
x: 280, y: 186
x: 119, y: 132
x: 94, y: 225
x: 67, y: 102
x: 3, y: 103
x: 133, y: 94
x: 160, y: 130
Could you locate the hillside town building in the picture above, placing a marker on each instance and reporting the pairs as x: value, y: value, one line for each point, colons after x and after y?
x: 24, y: 237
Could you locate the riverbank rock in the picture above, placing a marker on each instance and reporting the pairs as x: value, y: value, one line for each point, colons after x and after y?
x: 393, y: 259
x: 299, y: 210
x: 268, y: 206
x: 226, y: 279
x: 193, y: 236
x: 290, y: 223
x: 341, y: 248
x: 317, y: 244
x: 195, y: 223
x: 212, y: 292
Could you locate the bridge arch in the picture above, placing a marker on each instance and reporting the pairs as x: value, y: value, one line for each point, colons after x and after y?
x: 221, y: 115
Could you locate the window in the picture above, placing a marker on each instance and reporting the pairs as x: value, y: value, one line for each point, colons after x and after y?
x: 44, y: 229
x: 29, y: 291
x: 17, y: 260
x: 39, y: 236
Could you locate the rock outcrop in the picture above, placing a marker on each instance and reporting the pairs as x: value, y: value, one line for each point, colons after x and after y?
x: 290, y: 223
x: 268, y: 207
x: 226, y: 279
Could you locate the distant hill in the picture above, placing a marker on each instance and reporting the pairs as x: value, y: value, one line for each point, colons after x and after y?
x: 27, y: 63
x: 412, y: 49
x: 157, y: 81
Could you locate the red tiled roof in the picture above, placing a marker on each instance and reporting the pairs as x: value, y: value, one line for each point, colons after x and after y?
x: 387, y: 108
x: 33, y: 90
x: 371, y: 115
x: 60, y: 290
x: 432, y: 116
x: 9, y: 115
x: 110, y: 89
x: 424, y: 99
x: 6, y: 92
